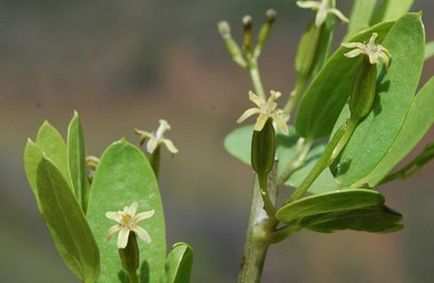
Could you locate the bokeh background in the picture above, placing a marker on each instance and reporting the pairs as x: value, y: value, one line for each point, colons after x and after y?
x: 126, y: 64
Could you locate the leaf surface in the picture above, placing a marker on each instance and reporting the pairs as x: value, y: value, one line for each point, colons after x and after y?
x: 122, y: 177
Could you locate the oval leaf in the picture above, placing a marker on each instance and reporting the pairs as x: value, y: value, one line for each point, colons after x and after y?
x: 67, y: 222
x: 179, y: 263
x: 52, y: 144
x: 329, y: 91
x: 376, y: 219
x: 122, y: 177
x: 375, y: 135
x: 328, y: 202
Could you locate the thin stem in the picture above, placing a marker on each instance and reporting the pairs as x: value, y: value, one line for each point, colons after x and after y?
x: 132, y: 277
x: 295, y: 96
x: 332, y: 151
x: 252, y: 66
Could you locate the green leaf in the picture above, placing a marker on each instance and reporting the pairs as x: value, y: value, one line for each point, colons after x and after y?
x: 429, y: 50
x: 391, y: 10
x: 417, y: 122
x: 53, y: 146
x: 376, y: 219
x: 122, y: 177
x: 179, y: 263
x: 77, y: 161
x: 329, y: 91
x: 67, y: 223
x: 238, y: 144
x: 32, y: 158
x: 375, y: 135
x: 360, y: 16
x: 328, y: 202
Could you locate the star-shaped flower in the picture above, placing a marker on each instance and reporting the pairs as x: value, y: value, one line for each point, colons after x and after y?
x: 370, y: 49
x: 156, y: 138
x: 322, y: 10
x: 128, y: 222
x: 266, y: 109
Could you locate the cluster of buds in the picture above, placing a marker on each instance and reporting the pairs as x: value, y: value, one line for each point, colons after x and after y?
x: 248, y: 53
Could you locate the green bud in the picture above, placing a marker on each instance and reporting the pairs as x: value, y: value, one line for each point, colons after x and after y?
x: 231, y: 45
x: 363, y: 92
x: 130, y: 257
x: 264, y: 32
x: 247, y: 22
x: 314, y: 48
x: 264, y: 149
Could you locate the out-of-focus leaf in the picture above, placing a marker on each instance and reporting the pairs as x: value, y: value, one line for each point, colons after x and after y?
x: 376, y: 219
x: 418, y: 120
x: 53, y: 146
x: 32, y: 158
x: 77, y: 161
x: 66, y: 222
x: 122, y: 177
x: 238, y: 144
x: 375, y: 135
x: 329, y: 91
x: 336, y: 201
x: 179, y: 263
x: 429, y: 50
x: 391, y: 10
x: 360, y: 16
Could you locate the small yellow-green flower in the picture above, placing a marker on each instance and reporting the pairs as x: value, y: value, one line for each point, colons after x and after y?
x: 128, y: 222
x: 156, y: 138
x: 322, y: 9
x: 370, y: 49
x: 266, y: 109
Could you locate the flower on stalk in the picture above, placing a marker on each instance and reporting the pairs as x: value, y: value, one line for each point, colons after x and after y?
x: 370, y: 49
x: 128, y: 222
x: 322, y: 10
x: 156, y: 138
x: 266, y: 109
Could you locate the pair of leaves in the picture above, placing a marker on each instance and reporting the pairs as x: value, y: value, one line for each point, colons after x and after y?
x: 238, y: 144
x: 392, y: 129
x: 361, y: 210
x: 48, y: 173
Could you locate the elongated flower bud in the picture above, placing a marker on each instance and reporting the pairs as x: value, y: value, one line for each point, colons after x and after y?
x: 264, y: 149
x: 363, y: 92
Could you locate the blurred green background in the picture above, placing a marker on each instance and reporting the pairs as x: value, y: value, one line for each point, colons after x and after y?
x: 126, y: 64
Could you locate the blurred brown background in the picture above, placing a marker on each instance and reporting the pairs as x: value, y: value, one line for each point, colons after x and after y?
x: 126, y: 64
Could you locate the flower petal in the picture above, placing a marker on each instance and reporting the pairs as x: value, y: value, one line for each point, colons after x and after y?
x: 256, y: 99
x: 339, y: 15
x: 152, y: 145
x: 280, y: 121
x: 113, y: 230
x: 132, y: 209
x: 321, y: 17
x: 123, y: 238
x: 113, y: 215
x: 353, y: 53
x: 308, y: 4
x: 144, y: 215
x: 170, y: 146
x: 142, y: 234
x: 354, y: 45
x: 260, y: 122
x: 247, y: 114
